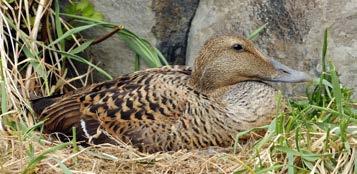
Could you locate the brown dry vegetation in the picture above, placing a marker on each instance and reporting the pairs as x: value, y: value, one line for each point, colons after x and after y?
x: 114, y: 159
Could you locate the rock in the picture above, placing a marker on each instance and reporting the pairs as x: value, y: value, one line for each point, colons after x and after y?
x: 173, y: 19
x: 293, y: 35
x: 164, y: 24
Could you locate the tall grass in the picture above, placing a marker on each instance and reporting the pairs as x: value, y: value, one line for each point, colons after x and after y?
x: 38, y: 49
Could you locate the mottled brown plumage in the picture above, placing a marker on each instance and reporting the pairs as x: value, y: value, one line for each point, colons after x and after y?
x: 171, y: 108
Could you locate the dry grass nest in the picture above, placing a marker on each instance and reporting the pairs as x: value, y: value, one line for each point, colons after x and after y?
x: 108, y: 158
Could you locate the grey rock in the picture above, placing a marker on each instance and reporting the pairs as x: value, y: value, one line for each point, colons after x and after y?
x: 164, y: 24
x: 112, y: 54
x: 293, y: 35
x: 173, y: 19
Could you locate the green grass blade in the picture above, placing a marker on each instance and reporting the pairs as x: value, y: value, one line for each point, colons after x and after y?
x: 139, y: 47
x: 36, y: 160
x: 3, y: 98
x: 83, y: 60
x: 271, y: 168
x: 255, y: 33
x: 321, y: 95
x: 30, y: 152
x: 30, y: 130
x: 290, y: 163
x: 162, y: 57
x: 64, y: 168
x: 309, y: 156
x: 327, y: 140
x: 268, y: 137
x: 38, y: 67
x: 336, y: 89
x: 71, y: 32
x: 137, y: 63
x: 87, y: 19
x: 151, y: 56
x: 297, y: 136
x: 58, y: 25
x: 82, y: 47
x: 355, y: 164
x: 240, y: 134
x: 324, y: 51
x: 75, y: 148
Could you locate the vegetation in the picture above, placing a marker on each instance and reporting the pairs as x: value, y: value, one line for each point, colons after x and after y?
x: 40, y: 50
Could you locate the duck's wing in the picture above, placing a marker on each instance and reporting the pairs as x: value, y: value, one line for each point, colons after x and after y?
x: 127, y: 107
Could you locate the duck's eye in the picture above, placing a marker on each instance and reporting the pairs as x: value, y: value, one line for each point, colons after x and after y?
x: 238, y: 47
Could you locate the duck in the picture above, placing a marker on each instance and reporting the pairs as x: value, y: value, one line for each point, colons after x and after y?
x: 175, y: 107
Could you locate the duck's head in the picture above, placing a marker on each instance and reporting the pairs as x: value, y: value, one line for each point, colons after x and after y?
x: 228, y: 60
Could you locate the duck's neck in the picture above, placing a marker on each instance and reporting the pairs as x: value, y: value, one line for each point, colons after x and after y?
x: 207, y: 87
x: 252, y: 102
x: 255, y: 103
x: 210, y: 83
x: 209, y: 80
x: 251, y: 99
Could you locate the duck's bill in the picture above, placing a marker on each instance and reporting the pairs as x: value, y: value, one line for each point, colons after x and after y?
x: 287, y: 74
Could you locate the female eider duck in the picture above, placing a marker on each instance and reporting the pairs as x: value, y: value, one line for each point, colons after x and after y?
x: 171, y: 108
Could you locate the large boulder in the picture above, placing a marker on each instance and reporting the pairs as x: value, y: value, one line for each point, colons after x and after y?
x: 293, y: 34
x: 164, y: 23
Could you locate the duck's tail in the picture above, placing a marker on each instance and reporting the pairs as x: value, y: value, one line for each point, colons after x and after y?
x: 39, y: 104
x: 62, y: 114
